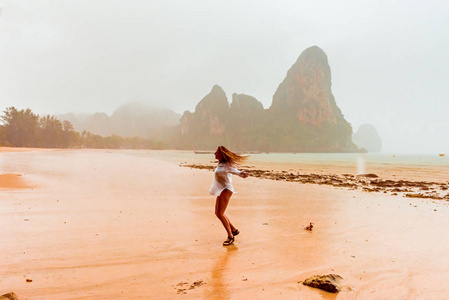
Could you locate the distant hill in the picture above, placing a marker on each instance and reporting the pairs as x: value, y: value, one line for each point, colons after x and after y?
x: 129, y: 120
x: 367, y: 137
x: 303, y: 117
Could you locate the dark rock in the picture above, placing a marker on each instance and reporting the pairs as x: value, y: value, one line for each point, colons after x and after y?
x: 9, y: 296
x: 349, y: 181
x: 415, y: 195
x: 329, y: 283
x: 370, y: 175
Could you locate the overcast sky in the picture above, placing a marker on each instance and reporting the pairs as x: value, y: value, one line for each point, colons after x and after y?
x: 389, y: 59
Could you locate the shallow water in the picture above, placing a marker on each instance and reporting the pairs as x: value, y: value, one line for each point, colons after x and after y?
x: 428, y: 167
x: 316, y: 158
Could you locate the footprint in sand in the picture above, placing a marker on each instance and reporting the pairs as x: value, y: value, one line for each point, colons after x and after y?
x: 194, y: 285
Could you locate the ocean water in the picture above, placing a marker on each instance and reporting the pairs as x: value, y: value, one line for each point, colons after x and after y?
x: 422, y: 166
x: 350, y: 158
x: 417, y: 160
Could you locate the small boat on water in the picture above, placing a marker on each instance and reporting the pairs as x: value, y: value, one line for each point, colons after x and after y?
x: 442, y: 154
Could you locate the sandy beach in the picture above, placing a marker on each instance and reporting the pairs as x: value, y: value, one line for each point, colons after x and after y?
x: 99, y: 224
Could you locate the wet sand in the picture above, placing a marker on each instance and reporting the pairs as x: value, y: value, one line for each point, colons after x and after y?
x: 13, y: 181
x: 112, y: 224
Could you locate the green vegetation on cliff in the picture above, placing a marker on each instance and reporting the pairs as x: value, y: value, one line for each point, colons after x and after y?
x: 303, y: 117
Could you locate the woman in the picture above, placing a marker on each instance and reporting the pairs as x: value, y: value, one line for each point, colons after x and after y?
x: 223, y: 189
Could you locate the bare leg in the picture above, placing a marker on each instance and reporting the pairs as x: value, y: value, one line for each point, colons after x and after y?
x: 230, y: 224
x: 220, y: 208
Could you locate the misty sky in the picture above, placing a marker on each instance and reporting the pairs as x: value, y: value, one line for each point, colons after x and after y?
x: 389, y: 59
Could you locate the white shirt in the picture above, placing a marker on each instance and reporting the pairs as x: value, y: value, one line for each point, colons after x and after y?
x: 223, y: 178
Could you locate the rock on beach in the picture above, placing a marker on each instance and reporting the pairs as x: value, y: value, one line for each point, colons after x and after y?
x: 329, y: 283
x: 9, y: 296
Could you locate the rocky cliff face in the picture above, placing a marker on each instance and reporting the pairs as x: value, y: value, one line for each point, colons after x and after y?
x: 305, y: 105
x: 207, y: 125
x: 303, y: 117
x: 246, y: 123
x: 367, y: 138
x: 306, y: 90
x: 246, y: 113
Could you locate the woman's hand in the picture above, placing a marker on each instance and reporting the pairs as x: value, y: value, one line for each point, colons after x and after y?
x: 245, y: 174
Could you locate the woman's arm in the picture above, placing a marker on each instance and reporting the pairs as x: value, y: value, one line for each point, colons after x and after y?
x: 235, y: 171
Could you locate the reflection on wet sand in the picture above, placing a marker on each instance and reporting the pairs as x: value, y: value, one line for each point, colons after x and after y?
x: 220, y: 288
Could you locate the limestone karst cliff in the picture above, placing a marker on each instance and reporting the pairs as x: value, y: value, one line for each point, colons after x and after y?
x: 207, y: 125
x: 304, y: 112
x: 367, y: 138
x: 303, y: 117
x: 306, y: 90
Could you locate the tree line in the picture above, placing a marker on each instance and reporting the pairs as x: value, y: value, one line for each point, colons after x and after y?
x: 23, y: 128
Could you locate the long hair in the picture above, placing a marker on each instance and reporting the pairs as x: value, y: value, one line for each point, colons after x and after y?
x: 231, y: 157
